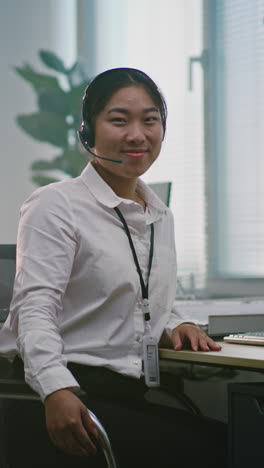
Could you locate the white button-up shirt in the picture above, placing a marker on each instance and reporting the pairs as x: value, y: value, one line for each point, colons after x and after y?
x: 77, y: 294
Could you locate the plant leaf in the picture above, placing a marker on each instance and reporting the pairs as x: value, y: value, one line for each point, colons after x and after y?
x: 41, y: 180
x: 74, y: 67
x: 74, y: 96
x: 45, y: 126
x: 70, y: 162
x: 54, y: 101
x: 43, y: 165
x: 39, y: 81
x: 73, y: 162
x: 51, y: 60
x: 77, y: 74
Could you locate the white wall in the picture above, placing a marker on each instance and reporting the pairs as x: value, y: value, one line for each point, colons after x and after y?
x: 25, y: 27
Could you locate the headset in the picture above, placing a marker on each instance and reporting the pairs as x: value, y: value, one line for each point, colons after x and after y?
x: 86, y: 134
x: 85, y: 138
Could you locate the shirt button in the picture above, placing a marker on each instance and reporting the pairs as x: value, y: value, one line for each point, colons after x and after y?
x: 135, y: 363
x: 138, y: 338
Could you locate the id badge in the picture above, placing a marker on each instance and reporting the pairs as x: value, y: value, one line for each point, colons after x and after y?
x: 151, y: 361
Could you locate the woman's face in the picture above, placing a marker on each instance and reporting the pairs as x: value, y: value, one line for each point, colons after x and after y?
x: 129, y: 128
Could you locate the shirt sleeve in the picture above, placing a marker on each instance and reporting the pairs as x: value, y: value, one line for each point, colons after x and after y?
x: 46, y: 247
x: 177, y: 318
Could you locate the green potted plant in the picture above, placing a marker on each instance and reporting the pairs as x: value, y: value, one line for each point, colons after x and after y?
x: 57, y: 119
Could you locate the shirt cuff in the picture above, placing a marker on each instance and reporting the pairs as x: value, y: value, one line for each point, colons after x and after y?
x: 169, y: 328
x: 51, y: 380
x: 173, y: 323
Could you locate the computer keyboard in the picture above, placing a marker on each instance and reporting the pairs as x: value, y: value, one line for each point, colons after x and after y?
x: 253, y: 338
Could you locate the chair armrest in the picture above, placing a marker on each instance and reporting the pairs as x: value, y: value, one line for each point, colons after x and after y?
x: 104, y: 441
x: 15, y: 389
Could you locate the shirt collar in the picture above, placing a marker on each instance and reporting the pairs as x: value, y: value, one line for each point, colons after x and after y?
x: 107, y: 197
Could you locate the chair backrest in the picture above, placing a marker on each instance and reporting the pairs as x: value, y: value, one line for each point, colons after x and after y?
x: 163, y: 190
x: 7, y: 275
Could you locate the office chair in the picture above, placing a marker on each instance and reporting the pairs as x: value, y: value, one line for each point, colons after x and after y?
x: 14, y: 389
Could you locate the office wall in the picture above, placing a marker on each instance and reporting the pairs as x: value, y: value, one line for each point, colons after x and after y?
x: 25, y: 27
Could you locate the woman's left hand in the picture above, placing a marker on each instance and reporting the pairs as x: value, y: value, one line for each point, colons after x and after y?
x: 194, y: 336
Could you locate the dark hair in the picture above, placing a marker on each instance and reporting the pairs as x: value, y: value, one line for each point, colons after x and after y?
x: 102, y: 88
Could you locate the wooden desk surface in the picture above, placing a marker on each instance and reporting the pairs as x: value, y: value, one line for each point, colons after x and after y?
x: 236, y: 355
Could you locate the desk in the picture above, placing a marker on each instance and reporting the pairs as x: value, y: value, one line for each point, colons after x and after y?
x: 246, y: 357
x: 236, y: 363
x: 245, y: 402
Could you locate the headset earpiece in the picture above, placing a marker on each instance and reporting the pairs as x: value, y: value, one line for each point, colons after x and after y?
x: 86, y: 135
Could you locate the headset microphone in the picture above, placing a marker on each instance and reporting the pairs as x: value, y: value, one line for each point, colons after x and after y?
x: 87, y: 147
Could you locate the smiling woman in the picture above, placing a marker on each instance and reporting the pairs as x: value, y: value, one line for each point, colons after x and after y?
x: 124, y: 120
x: 94, y: 296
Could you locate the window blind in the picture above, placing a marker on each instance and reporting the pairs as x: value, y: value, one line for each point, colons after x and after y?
x: 239, y: 130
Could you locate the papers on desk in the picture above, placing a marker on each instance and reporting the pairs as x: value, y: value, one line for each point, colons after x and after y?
x: 223, y: 316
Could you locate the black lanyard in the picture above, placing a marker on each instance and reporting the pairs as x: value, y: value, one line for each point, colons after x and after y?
x: 144, y: 287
